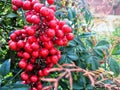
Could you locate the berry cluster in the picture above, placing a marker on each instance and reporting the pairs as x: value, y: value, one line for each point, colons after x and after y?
x: 36, y: 45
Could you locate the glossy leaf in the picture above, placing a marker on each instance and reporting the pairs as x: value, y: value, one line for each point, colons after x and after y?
x: 5, y: 68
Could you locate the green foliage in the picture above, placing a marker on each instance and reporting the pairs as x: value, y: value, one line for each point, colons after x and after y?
x: 82, y: 50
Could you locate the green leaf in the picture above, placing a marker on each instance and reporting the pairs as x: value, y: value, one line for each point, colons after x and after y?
x: 12, y: 15
x: 5, y: 68
x: 93, y: 61
x: 89, y: 43
x: 87, y: 34
x: 73, y: 56
x: 116, y: 50
x: 20, y: 87
x: 76, y: 86
x: 114, y: 66
x: 70, y: 15
x: 4, y: 88
x: 103, y: 44
x: 88, y: 16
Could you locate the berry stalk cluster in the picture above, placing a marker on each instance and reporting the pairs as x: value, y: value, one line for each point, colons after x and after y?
x: 36, y: 44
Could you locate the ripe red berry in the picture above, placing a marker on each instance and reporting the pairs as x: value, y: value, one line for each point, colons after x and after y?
x: 22, y: 64
x: 28, y: 18
x: 48, y: 45
x: 26, y: 5
x: 53, y: 7
x: 46, y: 71
x: 28, y: 48
x: 33, y: 88
x: 70, y: 36
x: 40, y: 73
x: 44, y: 11
x: 13, y: 36
x: 24, y: 76
x: 32, y: 39
x: 13, y: 45
x: 35, y: 19
x: 29, y: 67
x: 17, y: 3
x: 26, y: 55
x: 44, y: 52
x: 35, y: 46
x: 50, y: 32
x: 66, y: 29
x: 33, y: 60
x: 15, y: 8
x: 20, y: 44
x: 34, y: 78
x: 53, y: 24
x: 39, y: 86
x: 35, y: 54
x: 50, y: 1
x: 52, y: 51
x: 37, y: 7
x: 30, y: 31
x: 59, y: 34
x: 61, y: 24
x: 54, y: 59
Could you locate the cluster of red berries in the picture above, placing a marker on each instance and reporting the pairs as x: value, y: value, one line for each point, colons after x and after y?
x: 36, y: 45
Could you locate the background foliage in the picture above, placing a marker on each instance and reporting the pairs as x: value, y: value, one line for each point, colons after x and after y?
x: 86, y: 51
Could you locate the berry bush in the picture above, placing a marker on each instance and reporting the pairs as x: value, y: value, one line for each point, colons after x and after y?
x: 47, y: 44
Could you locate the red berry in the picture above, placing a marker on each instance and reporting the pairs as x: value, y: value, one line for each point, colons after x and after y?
x: 35, y: 54
x: 59, y: 34
x: 37, y: 7
x: 53, y: 7
x: 20, y: 54
x: 26, y: 55
x: 33, y: 88
x: 17, y: 3
x: 61, y: 24
x: 53, y: 24
x: 44, y: 52
x: 50, y: 32
x: 65, y: 41
x: 33, y: 60
x: 32, y: 39
x: 50, y: 1
x: 39, y: 86
x: 15, y: 8
x: 44, y: 11
x: 30, y: 31
x: 46, y: 71
x: 66, y: 29
x: 35, y: 46
x: 22, y: 64
x: 20, y: 44
x: 44, y: 38
x: 13, y: 36
x: 26, y: 5
x: 52, y: 51
x: 59, y: 42
x: 35, y: 19
x: 34, y: 78
x: 28, y: 18
x: 28, y: 48
x: 29, y: 67
x: 70, y: 36
x: 54, y: 59
x: 13, y: 45
x: 40, y: 73
x: 24, y: 76
x: 48, y: 45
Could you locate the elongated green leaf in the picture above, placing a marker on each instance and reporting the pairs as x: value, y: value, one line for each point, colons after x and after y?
x: 70, y: 14
x: 103, y: 44
x: 114, y: 66
x: 73, y: 56
x: 116, y: 50
x: 12, y: 15
x: 20, y: 87
x: 5, y: 68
